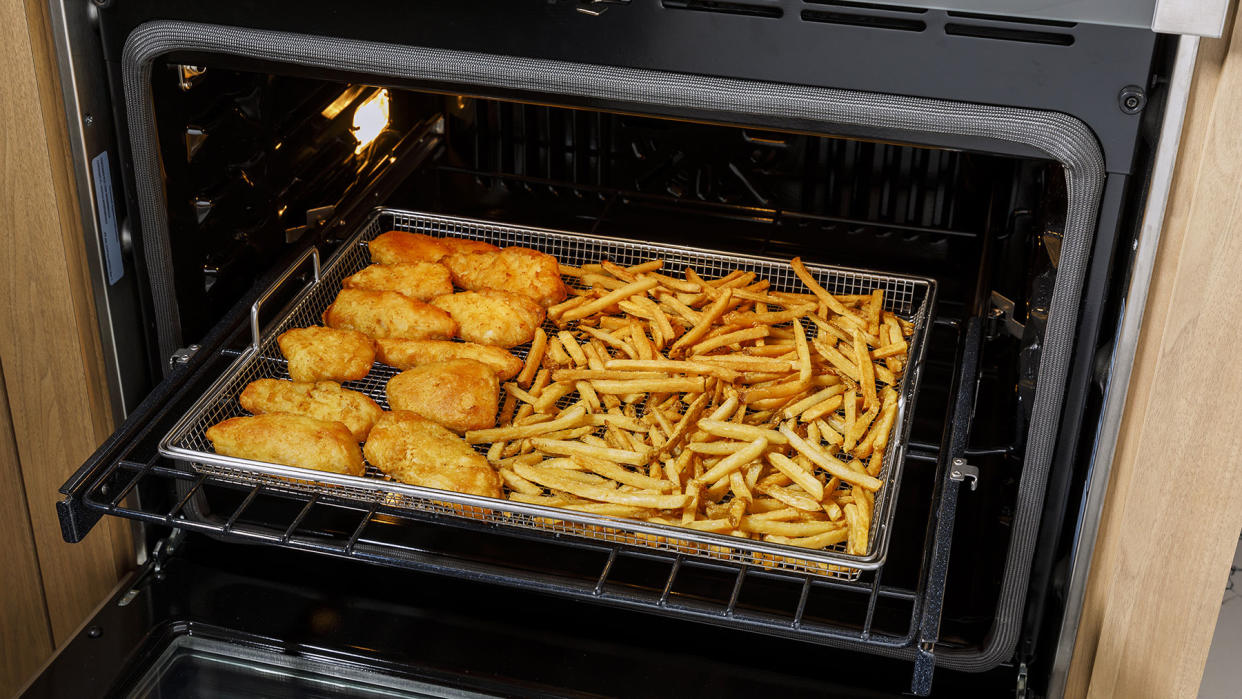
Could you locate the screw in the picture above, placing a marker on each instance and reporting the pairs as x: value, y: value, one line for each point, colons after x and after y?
x: 88, y: 119
x: 1132, y: 99
x: 94, y: 632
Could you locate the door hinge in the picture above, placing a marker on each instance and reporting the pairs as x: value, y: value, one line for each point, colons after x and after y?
x: 1002, y: 312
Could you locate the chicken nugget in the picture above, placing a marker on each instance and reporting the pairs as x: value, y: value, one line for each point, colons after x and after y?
x: 418, y: 280
x: 318, y: 354
x: 323, y: 400
x: 530, y: 273
x: 395, y: 247
x: 388, y: 314
x: 291, y: 440
x: 460, y: 394
x: 492, y: 317
x: 407, y: 354
x: 415, y: 450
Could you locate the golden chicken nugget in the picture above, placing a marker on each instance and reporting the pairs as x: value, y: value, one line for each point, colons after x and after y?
x: 460, y: 394
x: 418, y: 280
x: 291, y: 440
x: 407, y: 354
x: 326, y: 354
x: 323, y: 400
x: 395, y: 247
x: 492, y: 317
x: 415, y: 450
x: 519, y: 270
x: 388, y: 314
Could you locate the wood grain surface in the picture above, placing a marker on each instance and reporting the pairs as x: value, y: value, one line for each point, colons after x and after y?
x: 1174, y: 506
x: 25, y: 636
x: 49, y: 345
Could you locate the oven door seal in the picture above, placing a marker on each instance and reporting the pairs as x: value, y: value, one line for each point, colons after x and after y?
x: 1059, y: 136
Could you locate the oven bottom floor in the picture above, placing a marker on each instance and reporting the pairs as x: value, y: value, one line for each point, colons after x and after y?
x: 344, y: 615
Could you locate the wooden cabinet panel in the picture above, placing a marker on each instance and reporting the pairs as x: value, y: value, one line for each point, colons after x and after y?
x: 1174, y: 506
x: 55, y: 409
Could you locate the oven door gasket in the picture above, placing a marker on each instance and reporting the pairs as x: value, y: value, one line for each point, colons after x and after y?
x: 1061, y: 137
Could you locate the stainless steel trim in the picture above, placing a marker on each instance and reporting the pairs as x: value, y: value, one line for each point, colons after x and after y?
x: 910, y: 297
x: 1123, y: 359
x: 84, y: 95
x: 1190, y: 17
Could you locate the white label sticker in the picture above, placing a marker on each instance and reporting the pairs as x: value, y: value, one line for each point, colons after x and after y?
x: 104, y: 204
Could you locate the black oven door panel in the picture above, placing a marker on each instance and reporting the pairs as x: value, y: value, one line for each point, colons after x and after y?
x: 212, y: 619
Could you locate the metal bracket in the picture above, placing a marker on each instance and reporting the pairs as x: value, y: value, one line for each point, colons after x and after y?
x: 1003, y: 309
x: 164, y: 548
x: 182, y: 356
x: 1021, y: 692
x: 962, y: 470
x: 595, y: 8
x: 188, y: 75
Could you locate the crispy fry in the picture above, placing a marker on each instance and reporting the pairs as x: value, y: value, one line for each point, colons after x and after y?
x: 821, y: 458
x: 736, y: 460
x: 572, y: 418
x: 568, y: 448
x: 708, y: 317
x: 653, y: 385
x: 534, y: 358
x: 638, y: 287
x: 745, y: 433
x: 797, y: 474
x: 866, y: 372
x: 672, y: 365
x: 608, y: 469
x: 556, y: 478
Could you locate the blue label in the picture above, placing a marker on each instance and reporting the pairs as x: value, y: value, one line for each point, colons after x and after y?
x: 104, y: 204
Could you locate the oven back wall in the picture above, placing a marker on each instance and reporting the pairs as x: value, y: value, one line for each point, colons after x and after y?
x: 50, y: 359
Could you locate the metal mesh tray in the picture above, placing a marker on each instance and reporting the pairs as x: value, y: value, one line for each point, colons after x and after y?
x: 911, y: 298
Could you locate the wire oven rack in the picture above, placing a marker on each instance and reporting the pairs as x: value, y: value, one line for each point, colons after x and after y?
x: 911, y: 298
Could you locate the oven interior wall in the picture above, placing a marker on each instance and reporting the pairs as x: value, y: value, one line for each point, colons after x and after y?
x: 257, y: 163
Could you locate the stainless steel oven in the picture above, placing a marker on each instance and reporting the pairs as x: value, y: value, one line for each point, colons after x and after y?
x: 1013, y: 162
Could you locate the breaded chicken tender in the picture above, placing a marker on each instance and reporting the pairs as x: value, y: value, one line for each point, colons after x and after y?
x: 418, y: 280
x: 530, y: 273
x: 492, y: 317
x: 318, y: 354
x: 417, y: 451
x: 395, y: 247
x: 324, y: 400
x: 388, y: 314
x: 291, y: 440
x: 407, y: 354
x: 460, y: 394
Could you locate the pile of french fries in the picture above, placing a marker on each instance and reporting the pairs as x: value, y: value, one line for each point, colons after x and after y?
x: 717, y: 405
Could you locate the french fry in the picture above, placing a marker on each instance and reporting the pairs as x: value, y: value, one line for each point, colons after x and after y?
x: 550, y: 478
x: 747, y: 433
x: 866, y: 380
x: 797, y: 474
x: 672, y: 366
x: 570, y: 448
x: 640, y: 286
x: 812, y: 400
x: 572, y: 418
x: 834, y: 467
x: 736, y: 460
x: 650, y: 385
x: 706, y: 319
x: 533, y: 359
x: 792, y: 529
x: 730, y: 338
x: 608, y: 469
x: 798, y: 501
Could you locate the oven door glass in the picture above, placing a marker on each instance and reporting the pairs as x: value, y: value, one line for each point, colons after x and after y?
x: 200, y: 667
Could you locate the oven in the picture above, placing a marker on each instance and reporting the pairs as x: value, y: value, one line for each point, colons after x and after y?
x: 234, y: 153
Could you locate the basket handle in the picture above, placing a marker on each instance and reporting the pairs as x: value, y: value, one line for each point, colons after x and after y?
x: 255, y: 329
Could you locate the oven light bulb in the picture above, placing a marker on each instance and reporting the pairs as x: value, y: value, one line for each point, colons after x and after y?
x: 370, y: 119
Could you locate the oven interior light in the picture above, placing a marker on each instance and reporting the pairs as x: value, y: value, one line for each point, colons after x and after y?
x: 370, y: 119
